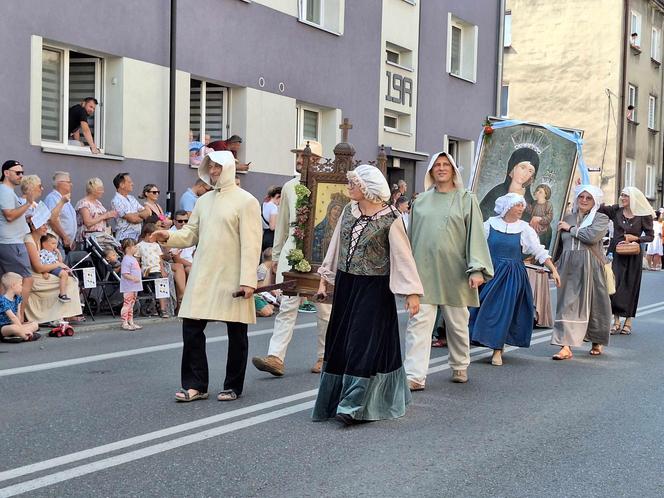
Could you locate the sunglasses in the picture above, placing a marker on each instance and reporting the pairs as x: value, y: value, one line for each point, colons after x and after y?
x: 19, y: 172
x: 154, y: 191
x: 181, y: 221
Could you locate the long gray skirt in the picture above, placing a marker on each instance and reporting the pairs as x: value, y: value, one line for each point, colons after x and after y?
x: 583, y: 310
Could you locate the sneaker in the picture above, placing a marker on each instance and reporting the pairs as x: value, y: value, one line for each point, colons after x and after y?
x: 270, y: 364
x: 307, y: 307
x: 318, y: 366
x: 63, y: 298
x: 459, y: 376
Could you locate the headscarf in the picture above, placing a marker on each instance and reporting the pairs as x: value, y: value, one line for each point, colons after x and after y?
x: 507, y: 202
x: 371, y: 182
x: 226, y: 180
x: 597, y: 195
x: 638, y: 203
x: 428, y: 180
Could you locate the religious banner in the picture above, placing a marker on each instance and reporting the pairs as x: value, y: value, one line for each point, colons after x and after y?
x: 534, y: 160
x: 161, y: 289
x: 89, y: 278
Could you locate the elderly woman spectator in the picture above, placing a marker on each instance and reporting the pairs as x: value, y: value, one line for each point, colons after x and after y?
x: 31, y: 188
x: 632, y: 226
x: 583, y: 311
x: 43, y: 304
x: 92, y: 216
x: 157, y: 216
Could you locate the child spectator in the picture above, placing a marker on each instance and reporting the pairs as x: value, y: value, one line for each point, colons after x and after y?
x: 130, y: 284
x: 266, y: 301
x: 10, y: 302
x: 112, y: 259
x: 50, y: 255
x: 152, y: 264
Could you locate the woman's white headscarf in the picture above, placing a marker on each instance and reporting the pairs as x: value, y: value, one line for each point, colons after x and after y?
x: 638, y: 203
x: 597, y: 196
x: 428, y: 180
x: 507, y: 202
x: 371, y: 182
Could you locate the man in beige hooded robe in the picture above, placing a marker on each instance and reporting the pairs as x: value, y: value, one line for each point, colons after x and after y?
x: 225, y: 226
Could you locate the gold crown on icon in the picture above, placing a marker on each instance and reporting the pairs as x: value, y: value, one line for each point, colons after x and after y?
x: 531, y: 139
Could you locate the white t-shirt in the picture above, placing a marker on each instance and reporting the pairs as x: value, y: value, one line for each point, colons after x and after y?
x: 269, y: 208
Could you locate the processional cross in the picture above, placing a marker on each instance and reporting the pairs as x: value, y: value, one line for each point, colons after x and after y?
x: 344, y: 127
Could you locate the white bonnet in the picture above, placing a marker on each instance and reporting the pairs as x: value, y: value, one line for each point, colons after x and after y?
x: 371, y: 182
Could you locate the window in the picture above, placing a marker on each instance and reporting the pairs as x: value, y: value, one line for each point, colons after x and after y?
x: 632, y: 100
x: 507, y: 37
x: 390, y: 121
x: 312, y: 11
x: 635, y: 35
x: 650, y: 181
x: 461, y: 150
x: 308, y: 124
x: 652, y: 111
x: 392, y: 56
x: 68, y: 77
x: 656, y: 45
x: 461, y: 48
x: 629, y: 173
x: 399, y: 56
x: 207, y: 108
x: 504, y: 101
x: 324, y: 14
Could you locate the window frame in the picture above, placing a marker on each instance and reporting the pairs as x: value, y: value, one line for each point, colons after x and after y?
x: 504, y: 86
x: 628, y: 180
x: 203, y: 104
x: 649, y: 190
x: 632, y: 99
x: 507, y: 29
x: 656, y: 44
x: 635, y: 16
x: 321, y: 8
x: 99, y: 94
x: 393, y: 115
x: 300, y: 123
x: 652, y: 112
x: 469, y: 36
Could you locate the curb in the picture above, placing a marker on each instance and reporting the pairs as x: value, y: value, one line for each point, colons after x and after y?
x: 117, y: 324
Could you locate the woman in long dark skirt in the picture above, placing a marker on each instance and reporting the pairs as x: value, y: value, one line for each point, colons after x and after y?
x: 368, y: 261
x: 632, y: 224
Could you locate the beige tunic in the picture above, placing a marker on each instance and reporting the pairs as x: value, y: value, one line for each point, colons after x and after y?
x: 225, y: 225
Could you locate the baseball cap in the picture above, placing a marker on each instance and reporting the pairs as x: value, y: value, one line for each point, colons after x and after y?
x: 8, y: 164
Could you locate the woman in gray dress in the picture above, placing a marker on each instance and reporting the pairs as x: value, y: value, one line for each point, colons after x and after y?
x: 583, y: 311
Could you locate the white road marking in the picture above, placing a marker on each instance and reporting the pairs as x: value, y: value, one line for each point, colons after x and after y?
x: 106, y: 463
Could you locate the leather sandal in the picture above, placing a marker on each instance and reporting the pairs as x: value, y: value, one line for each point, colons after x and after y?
x: 626, y: 330
x: 562, y: 356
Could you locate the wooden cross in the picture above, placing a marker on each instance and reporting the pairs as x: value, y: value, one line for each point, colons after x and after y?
x: 344, y: 127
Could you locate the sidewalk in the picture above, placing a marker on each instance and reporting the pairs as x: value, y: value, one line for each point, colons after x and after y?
x: 107, y: 322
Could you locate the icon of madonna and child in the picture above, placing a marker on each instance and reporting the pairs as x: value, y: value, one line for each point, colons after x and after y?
x: 531, y: 150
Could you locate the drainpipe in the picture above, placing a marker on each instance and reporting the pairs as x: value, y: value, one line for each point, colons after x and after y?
x: 623, y: 85
x: 170, y: 195
x: 501, y: 54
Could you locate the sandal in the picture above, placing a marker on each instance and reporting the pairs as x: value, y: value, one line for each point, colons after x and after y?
x: 562, y: 356
x: 596, y: 350
x: 186, y: 397
x: 626, y: 330
x: 615, y: 329
x: 227, y: 395
x: 127, y: 326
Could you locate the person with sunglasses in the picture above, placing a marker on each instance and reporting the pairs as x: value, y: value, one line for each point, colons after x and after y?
x: 157, y: 215
x: 183, y: 256
x: 13, y: 227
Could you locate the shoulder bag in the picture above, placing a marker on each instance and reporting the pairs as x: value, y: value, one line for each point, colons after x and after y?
x: 608, y: 270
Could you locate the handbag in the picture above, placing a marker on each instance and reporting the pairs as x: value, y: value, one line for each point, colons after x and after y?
x: 609, y: 277
x: 628, y: 248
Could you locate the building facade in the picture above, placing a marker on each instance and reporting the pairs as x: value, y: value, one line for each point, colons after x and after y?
x: 602, y: 75
x: 275, y: 72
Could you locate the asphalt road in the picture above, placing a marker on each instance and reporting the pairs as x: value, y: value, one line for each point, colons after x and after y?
x: 94, y: 415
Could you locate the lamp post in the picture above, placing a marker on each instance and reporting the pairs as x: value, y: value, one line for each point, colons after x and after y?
x: 170, y: 195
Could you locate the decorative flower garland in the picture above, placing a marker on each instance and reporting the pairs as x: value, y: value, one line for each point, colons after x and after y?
x: 296, y: 256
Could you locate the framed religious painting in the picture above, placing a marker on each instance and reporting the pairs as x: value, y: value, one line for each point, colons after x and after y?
x: 329, y: 195
x: 536, y: 161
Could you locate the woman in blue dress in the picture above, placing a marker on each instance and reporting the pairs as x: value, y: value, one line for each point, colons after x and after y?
x: 506, y: 311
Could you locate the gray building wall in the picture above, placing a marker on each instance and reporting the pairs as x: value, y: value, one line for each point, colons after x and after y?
x: 448, y: 105
x: 224, y: 40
